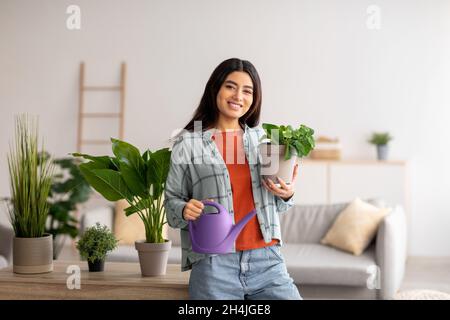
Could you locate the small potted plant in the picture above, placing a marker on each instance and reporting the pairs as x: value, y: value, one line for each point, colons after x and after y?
x: 280, y: 147
x: 139, y: 179
x: 94, y: 244
x: 381, y: 140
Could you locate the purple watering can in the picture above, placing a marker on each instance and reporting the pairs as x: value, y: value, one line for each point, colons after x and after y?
x: 215, y: 232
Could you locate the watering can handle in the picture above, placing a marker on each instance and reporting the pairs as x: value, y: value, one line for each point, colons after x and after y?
x: 213, y: 204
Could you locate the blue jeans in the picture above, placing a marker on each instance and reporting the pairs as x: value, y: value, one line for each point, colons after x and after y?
x: 250, y: 274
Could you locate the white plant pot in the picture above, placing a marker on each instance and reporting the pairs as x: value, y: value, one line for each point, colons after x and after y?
x: 153, y: 257
x: 273, y: 164
x: 33, y: 255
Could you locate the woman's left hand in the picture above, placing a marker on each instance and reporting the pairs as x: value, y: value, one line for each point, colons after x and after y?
x: 286, y: 191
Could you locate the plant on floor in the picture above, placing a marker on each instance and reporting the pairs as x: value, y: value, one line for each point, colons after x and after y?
x: 380, y: 138
x: 68, y: 190
x: 139, y: 179
x: 297, y: 141
x: 96, y: 242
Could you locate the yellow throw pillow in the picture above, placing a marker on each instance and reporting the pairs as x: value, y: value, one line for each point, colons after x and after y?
x: 355, y: 227
x: 127, y: 229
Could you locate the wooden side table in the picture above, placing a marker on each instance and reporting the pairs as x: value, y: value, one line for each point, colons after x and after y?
x: 118, y: 281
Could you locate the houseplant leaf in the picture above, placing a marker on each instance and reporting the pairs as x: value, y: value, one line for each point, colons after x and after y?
x: 98, y: 183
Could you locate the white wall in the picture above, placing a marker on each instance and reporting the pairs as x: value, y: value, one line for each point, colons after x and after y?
x: 319, y: 63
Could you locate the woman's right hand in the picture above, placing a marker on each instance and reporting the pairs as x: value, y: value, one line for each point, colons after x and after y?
x: 193, y: 209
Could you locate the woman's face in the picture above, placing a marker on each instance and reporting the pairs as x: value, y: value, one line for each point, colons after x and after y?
x: 235, y: 95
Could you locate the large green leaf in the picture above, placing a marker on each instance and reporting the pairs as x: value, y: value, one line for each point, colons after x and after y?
x: 99, y: 183
x: 114, y: 181
x: 158, y: 170
x: 140, y: 206
x: 134, y: 180
x: 128, y: 154
x: 102, y: 161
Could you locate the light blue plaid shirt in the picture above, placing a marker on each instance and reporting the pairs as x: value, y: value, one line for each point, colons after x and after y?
x: 198, y: 171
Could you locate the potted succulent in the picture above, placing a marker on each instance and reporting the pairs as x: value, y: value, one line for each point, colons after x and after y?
x: 280, y: 147
x: 94, y: 244
x: 140, y: 180
x: 30, y: 181
x: 381, y: 140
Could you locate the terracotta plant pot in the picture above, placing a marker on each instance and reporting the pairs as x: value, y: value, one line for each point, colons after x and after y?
x: 153, y: 257
x: 273, y: 164
x: 33, y: 255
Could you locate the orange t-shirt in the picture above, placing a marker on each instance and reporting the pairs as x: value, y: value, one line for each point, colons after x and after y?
x: 241, y: 184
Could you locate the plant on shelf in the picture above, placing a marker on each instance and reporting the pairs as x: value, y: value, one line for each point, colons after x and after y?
x: 140, y: 180
x: 381, y: 140
x: 30, y: 181
x: 68, y: 190
x: 94, y: 245
x: 283, y: 144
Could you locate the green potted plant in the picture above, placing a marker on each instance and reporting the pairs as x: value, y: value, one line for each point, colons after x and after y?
x: 30, y: 182
x: 280, y: 146
x: 94, y: 245
x: 68, y: 190
x: 381, y: 140
x: 140, y: 180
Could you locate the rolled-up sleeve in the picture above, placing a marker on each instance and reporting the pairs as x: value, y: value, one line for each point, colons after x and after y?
x: 282, y: 205
x: 178, y: 186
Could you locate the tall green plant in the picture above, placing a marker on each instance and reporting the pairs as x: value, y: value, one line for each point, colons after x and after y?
x: 30, y: 181
x: 139, y: 179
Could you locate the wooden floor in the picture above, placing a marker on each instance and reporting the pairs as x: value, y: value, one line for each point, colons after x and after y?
x: 432, y: 273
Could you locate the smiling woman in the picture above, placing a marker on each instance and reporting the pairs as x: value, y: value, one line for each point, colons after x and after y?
x: 229, y: 112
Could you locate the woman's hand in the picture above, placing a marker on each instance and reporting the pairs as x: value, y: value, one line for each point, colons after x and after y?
x: 286, y: 191
x: 193, y: 209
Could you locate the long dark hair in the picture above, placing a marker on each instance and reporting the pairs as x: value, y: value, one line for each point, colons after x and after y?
x: 207, y: 111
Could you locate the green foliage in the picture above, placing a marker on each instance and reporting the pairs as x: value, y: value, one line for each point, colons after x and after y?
x: 30, y: 181
x: 380, y: 138
x: 139, y: 179
x: 96, y: 242
x: 68, y: 189
x: 297, y: 141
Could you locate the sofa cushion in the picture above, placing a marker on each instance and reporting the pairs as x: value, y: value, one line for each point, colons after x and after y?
x: 308, y: 223
x: 355, y: 227
x: 318, y: 264
x: 127, y: 229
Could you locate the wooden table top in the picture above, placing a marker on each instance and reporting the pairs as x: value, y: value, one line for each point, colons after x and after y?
x: 119, y: 280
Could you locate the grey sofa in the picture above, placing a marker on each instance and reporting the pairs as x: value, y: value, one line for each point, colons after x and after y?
x: 319, y: 271
x: 6, y: 239
x: 322, y: 272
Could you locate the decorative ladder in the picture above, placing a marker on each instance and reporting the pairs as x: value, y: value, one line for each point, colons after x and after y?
x: 82, y: 114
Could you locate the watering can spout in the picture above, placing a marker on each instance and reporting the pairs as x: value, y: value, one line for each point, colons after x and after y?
x: 236, y: 229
